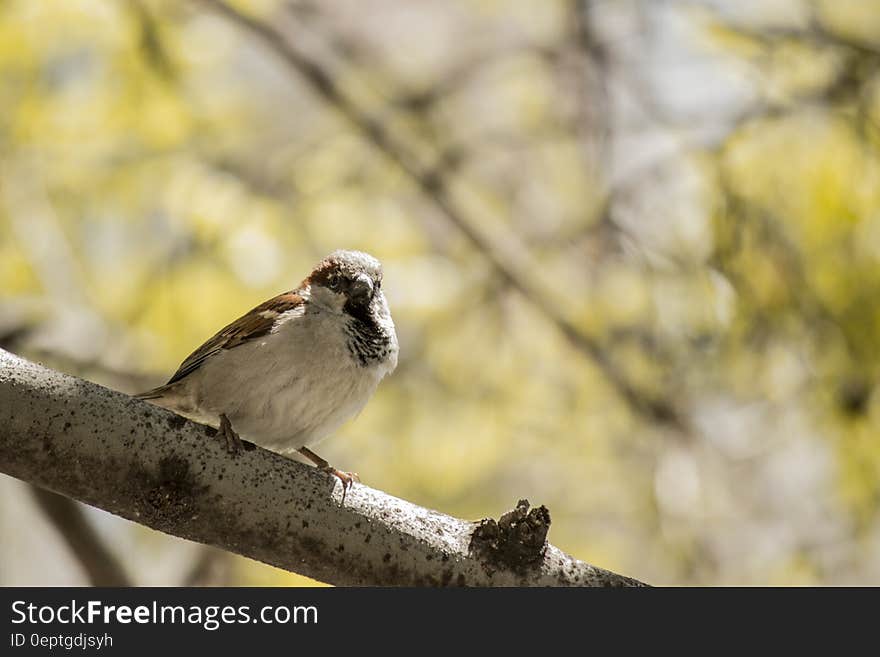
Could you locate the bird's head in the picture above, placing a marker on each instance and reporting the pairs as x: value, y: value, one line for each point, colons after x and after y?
x: 350, y: 282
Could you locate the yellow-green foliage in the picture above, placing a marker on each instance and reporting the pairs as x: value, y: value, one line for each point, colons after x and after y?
x: 187, y: 175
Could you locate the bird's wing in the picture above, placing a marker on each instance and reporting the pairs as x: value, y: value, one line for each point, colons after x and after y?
x: 254, y: 324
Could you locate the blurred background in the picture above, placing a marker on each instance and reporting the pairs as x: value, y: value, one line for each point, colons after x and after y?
x: 632, y: 248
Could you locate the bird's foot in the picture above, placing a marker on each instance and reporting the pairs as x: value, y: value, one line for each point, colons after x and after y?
x: 233, y: 441
x: 347, y: 479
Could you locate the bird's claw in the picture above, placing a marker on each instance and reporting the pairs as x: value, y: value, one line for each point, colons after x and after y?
x: 233, y: 441
x: 347, y: 479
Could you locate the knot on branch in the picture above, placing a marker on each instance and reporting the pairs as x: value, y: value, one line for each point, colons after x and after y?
x: 169, y: 495
x: 516, y: 541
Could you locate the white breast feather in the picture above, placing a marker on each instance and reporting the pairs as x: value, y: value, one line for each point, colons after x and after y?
x: 281, y: 392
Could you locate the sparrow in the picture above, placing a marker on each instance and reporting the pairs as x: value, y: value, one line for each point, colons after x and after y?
x: 291, y: 371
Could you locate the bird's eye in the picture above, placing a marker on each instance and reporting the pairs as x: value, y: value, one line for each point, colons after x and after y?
x: 334, y: 281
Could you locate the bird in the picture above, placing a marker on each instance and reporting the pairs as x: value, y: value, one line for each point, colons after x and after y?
x: 292, y: 370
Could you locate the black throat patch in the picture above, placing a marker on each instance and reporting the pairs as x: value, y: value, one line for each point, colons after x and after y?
x: 368, y: 341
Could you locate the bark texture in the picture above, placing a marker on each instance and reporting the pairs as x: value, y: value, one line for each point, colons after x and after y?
x: 158, y: 469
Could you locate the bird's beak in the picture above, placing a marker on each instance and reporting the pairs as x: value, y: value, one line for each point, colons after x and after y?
x: 361, y: 288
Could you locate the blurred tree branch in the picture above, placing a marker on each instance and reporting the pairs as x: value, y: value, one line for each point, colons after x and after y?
x: 99, y: 563
x: 151, y: 41
x: 210, y: 568
x: 507, y: 259
x: 160, y: 470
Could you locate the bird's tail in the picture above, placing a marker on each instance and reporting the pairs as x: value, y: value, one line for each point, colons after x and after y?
x: 155, y: 393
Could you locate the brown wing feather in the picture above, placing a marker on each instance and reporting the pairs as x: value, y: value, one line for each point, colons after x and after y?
x: 256, y: 323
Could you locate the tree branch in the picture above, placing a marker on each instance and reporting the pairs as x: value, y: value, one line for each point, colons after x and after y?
x: 151, y: 466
